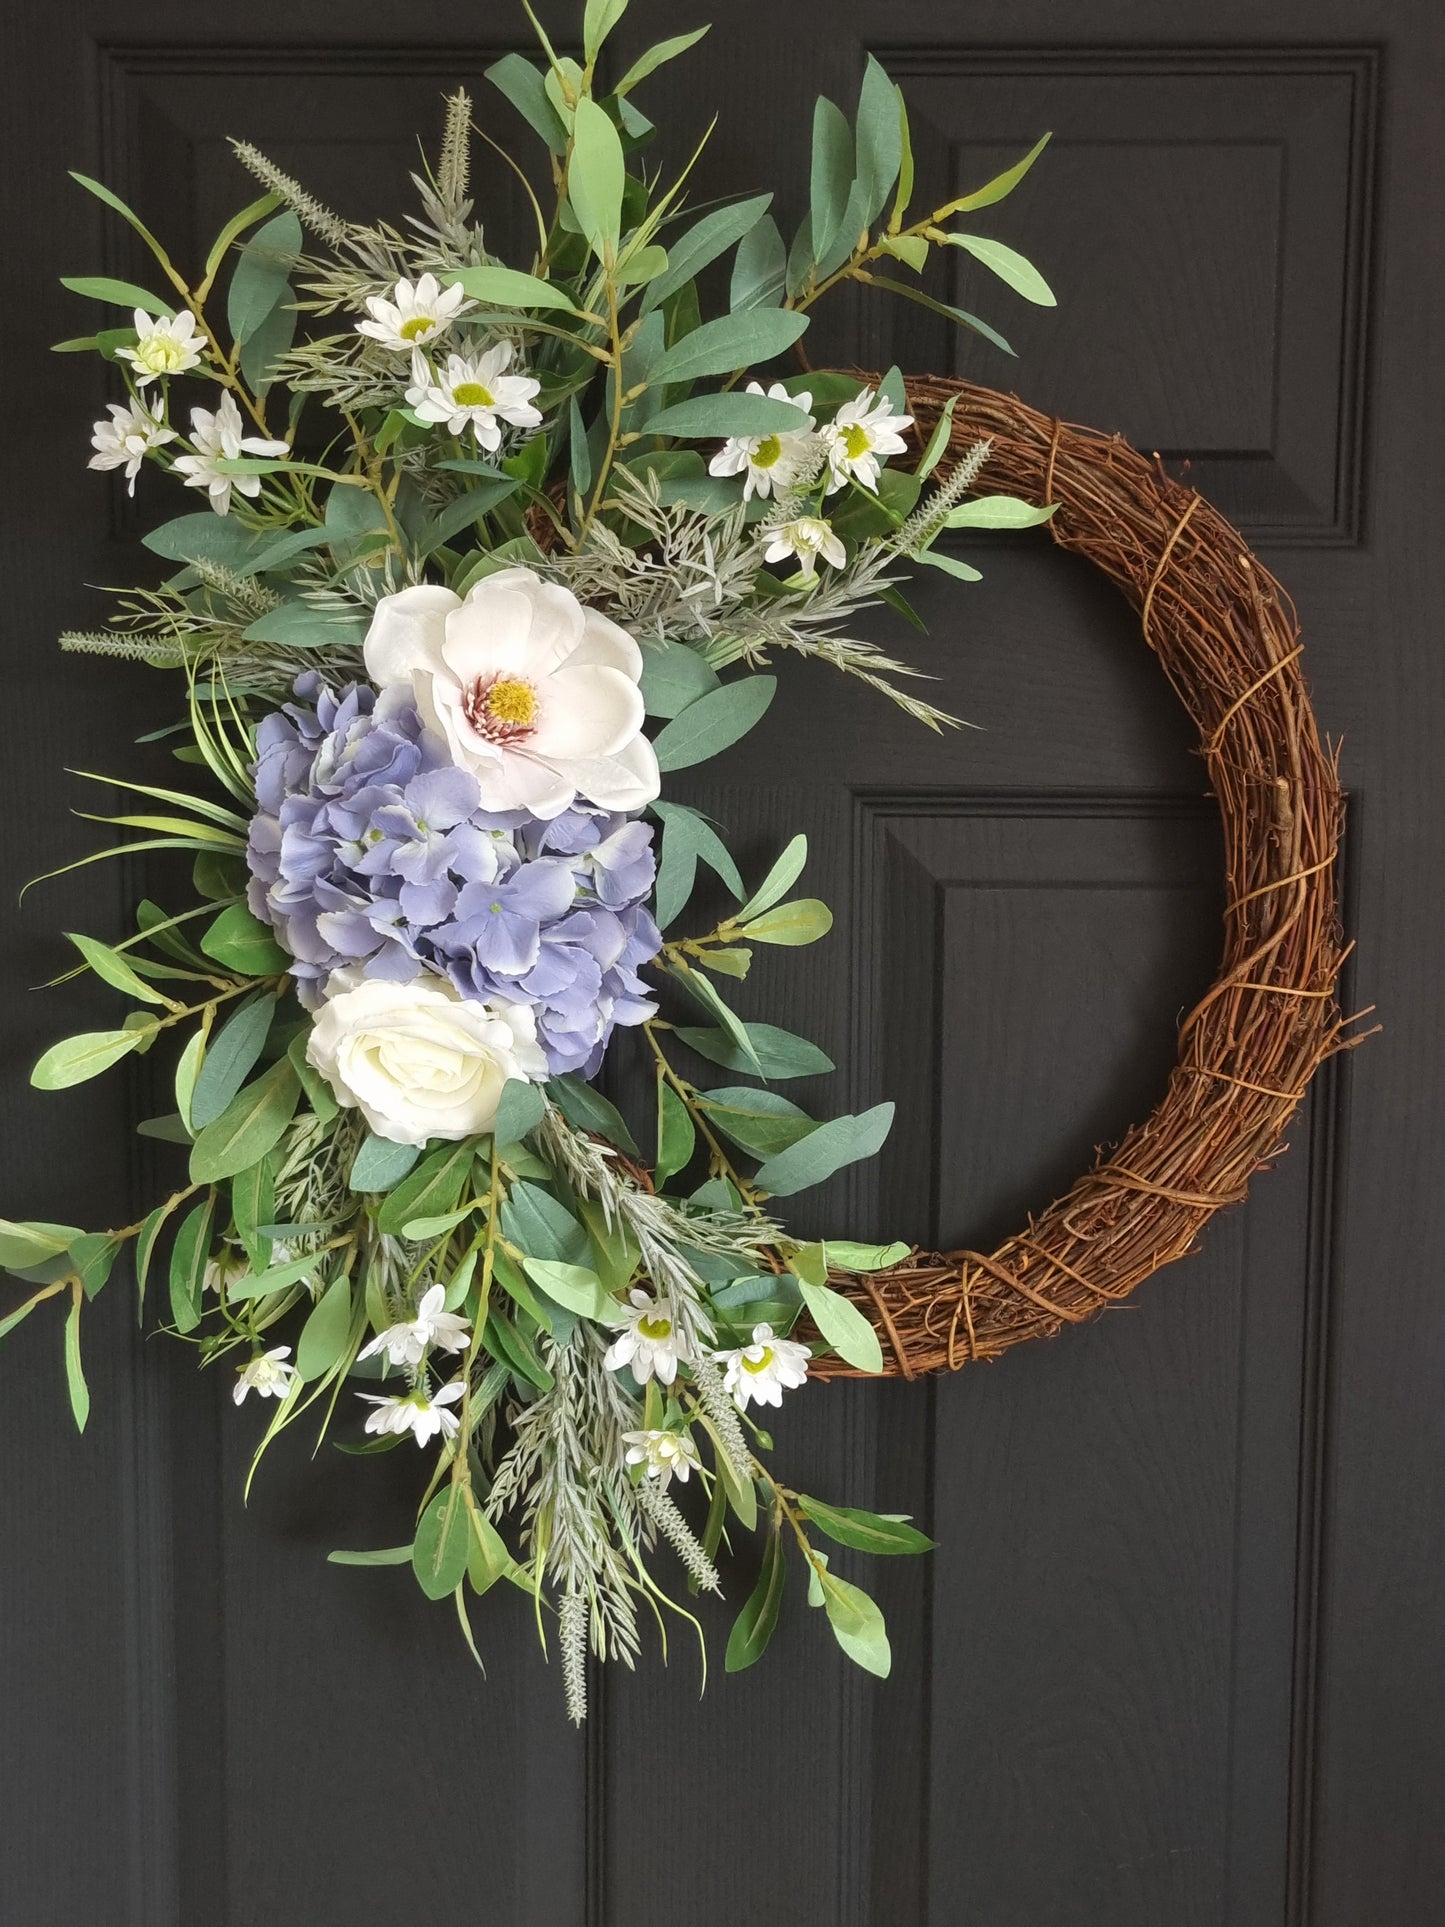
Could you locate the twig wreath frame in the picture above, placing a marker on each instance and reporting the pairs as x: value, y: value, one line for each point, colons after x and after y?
x: 1227, y: 637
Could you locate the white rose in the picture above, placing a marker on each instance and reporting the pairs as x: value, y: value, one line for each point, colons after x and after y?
x: 536, y: 695
x: 418, y: 1060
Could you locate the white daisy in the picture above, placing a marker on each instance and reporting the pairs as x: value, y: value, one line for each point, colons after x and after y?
x: 861, y: 431
x: 405, y: 1344
x: 127, y: 438
x: 649, y: 1341
x: 807, y: 537
x: 423, y: 1417
x: 217, y: 437
x: 764, y: 1369
x: 768, y: 461
x: 420, y: 312
x: 474, y: 389
x: 165, y: 345
x: 664, y: 1454
x: 268, y: 1375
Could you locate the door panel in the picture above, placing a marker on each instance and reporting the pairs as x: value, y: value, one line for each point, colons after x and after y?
x: 1177, y: 1658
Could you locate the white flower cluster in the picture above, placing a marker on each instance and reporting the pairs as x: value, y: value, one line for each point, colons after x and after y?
x: 650, y: 1345
x: 854, y: 444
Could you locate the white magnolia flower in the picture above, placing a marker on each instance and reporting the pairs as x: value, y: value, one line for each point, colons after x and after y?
x: 217, y: 437
x: 536, y: 695
x: 861, y: 431
x: 420, y: 312
x: 768, y: 461
x: 418, y: 1060
x: 664, y: 1454
x: 648, y: 1342
x: 474, y: 388
x: 166, y: 345
x: 127, y: 438
x: 764, y: 1369
x: 807, y: 537
x: 268, y: 1375
x: 416, y: 1413
x: 406, y: 1343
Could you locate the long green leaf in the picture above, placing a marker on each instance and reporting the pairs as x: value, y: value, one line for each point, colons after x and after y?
x: 731, y: 343
x: 649, y: 62
x: 844, y: 1326
x: 843, y: 1140
x: 865, y: 1531
x: 596, y: 173
x: 230, y: 1060
x: 1009, y: 265
x: 501, y: 287
x: 714, y: 722
x: 251, y: 1123
x: 1000, y: 186
x: 75, y: 1059
x: 757, y: 1621
x: 123, y: 294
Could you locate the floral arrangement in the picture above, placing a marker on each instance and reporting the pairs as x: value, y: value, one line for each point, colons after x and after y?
x: 480, y: 555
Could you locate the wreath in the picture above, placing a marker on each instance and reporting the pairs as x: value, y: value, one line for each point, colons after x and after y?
x: 482, y: 555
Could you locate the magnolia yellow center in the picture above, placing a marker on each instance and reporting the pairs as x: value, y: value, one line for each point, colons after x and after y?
x: 510, y: 700
x: 856, y: 441
x: 471, y: 394
x: 417, y: 329
x: 655, y: 1329
x: 758, y: 1364
x: 767, y: 452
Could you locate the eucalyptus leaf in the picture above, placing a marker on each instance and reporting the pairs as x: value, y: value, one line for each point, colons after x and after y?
x: 714, y: 722
x: 596, y: 173
x: 112, y: 968
x: 831, y: 176
x: 702, y: 244
x: 244, y: 944
x: 879, y: 140
x: 500, y: 287
x: 761, y: 1121
x: 1010, y: 266
x: 999, y: 512
x: 585, y: 1108
x: 259, y: 281
x: 516, y: 77
x: 775, y: 1053
x: 674, y: 676
x: 122, y: 294
x: 306, y: 625
x: 188, y: 1265
x: 730, y: 343
x: 520, y: 1110
x: 710, y: 417
x: 542, y: 1226
x: 575, y: 1287
x: 676, y: 1135
x: 229, y: 1061
x: 248, y: 1127
x: 843, y: 1140
x: 380, y: 1164
x: 845, y: 1255
x: 844, y: 1327
x: 431, y: 1189
x: 760, y: 270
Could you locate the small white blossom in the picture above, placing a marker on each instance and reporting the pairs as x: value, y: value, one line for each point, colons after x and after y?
x: 423, y: 1417
x: 268, y: 1375
x: 764, y: 1369
x: 768, y: 461
x: 405, y: 1344
x: 217, y: 437
x: 165, y: 345
x: 861, y: 431
x: 807, y: 537
x: 474, y: 389
x: 419, y: 313
x: 664, y: 1454
x: 649, y: 1341
x: 127, y: 438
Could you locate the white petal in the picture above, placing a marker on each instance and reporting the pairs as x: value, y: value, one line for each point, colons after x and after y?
x: 625, y: 780
x: 603, y: 642
x: 588, y: 711
x: 407, y: 632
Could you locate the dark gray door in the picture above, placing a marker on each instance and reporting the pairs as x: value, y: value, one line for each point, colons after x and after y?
x: 1177, y: 1662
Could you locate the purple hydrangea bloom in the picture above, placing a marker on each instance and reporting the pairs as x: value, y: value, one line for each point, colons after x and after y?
x: 368, y: 851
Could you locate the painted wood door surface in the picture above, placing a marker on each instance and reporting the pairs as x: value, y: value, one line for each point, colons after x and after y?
x: 1177, y: 1661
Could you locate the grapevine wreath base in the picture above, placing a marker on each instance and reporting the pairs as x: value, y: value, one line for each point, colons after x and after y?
x: 1227, y: 637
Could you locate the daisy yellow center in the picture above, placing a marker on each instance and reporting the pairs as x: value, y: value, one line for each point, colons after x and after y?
x: 417, y: 329
x: 758, y: 1364
x: 856, y: 441
x: 161, y: 354
x: 655, y: 1330
x: 767, y: 451
x: 471, y: 394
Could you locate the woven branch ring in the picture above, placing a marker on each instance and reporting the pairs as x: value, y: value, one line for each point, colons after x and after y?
x: 1227, y: 637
